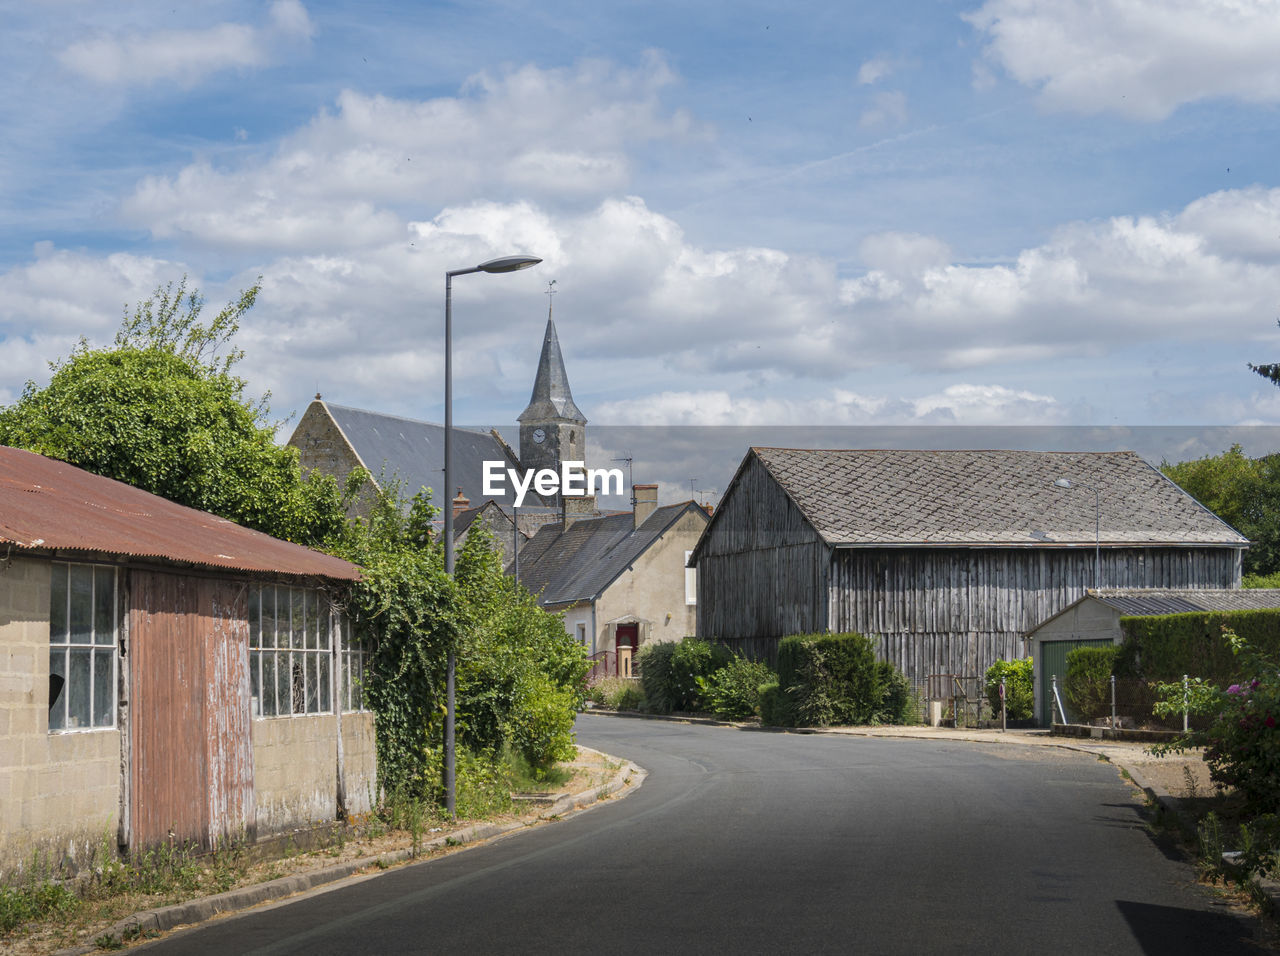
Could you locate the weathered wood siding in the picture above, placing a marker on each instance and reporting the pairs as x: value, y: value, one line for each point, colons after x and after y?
x: 192, y: 760
x: 957, y: 610
x: 762, y: 569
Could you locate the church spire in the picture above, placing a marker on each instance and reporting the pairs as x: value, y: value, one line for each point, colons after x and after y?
x: 551, y: 398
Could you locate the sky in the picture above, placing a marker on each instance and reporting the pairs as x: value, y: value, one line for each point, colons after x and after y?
x: 1037, y: 213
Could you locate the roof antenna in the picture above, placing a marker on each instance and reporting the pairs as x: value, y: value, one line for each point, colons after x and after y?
x: 630, y: 481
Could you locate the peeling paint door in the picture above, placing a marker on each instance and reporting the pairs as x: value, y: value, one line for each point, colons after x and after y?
x: 191, y: 761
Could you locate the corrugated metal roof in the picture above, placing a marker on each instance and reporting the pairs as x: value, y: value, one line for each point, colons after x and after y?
x: 566, y: 567
x: 1144, y: 602
x: 874, y: 497
x: 50, y: 505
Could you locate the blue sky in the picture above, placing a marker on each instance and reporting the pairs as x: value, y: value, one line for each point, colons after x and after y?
x: 1010, y: 212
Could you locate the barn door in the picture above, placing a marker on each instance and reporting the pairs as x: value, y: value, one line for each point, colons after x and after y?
x: 191, y: 760
x: 1053, y: 663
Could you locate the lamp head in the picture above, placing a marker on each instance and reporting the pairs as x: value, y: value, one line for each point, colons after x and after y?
x: 508, y: 264
x: 1063, y: 483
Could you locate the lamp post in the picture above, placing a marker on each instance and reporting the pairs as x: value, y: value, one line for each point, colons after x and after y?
x: 1097, y: 525
x: 505, y: 264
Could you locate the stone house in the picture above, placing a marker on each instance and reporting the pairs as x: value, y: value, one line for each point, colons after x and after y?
x: 620, y: 579
x: 944, y: 558
x: 165, y: 674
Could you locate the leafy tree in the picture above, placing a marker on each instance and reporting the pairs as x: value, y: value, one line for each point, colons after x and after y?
x: 162, y: 411
x: 1245, y: 493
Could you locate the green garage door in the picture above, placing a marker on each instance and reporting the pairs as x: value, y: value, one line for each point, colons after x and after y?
x: 1053, y: 660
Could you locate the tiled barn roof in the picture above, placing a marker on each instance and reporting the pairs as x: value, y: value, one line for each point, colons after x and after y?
x: 869, y: 498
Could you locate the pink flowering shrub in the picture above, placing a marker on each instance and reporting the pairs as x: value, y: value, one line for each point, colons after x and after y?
x: 1241, y: 741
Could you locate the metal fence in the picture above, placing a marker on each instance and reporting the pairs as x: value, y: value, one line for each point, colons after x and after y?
x: 1119, y: 703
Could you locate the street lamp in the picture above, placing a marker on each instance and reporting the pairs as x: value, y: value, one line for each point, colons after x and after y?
x: 1097, y: 525
x: 505, y: 264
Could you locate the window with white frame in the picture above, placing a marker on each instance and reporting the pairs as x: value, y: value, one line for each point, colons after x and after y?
x: 290, y: 652
x: 83, y: 636
x: 690, y: 581
x: 354, y: 655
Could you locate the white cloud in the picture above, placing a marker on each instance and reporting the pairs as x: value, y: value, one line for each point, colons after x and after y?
x: 957, y: 404
x: 1138, y: 58
x: 186, y: 56
x: 332, y: 184
x: 887, y: 109
x: 874, y: 70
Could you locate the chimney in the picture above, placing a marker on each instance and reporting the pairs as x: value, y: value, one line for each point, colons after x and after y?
x: 575, y: 508
x: 646, y: 502
x: 460, y: 504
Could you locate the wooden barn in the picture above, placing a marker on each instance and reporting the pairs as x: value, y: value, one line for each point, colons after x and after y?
x: 946, y: 559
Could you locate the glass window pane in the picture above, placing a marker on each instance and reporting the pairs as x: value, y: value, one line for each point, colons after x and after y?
x: 78, y: 688
x: 270, y: 618
x: 104, y: 688
x: 255, y: 617
x: 58, y: 605
x: 326, y: 683
x: 284, y: 695
x: 58, y: 710
x: 297, y: 623
x: 81, y: 604
x: 268, y: 684
x: 298, y: 684
x: 309, y: 600
x: 104, y: 605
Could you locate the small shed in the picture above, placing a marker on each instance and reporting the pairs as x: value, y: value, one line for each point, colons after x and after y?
x: 1094, y: 620
x: 165, y: 674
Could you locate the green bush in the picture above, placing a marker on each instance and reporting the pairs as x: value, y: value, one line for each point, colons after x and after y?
x: 1018, y: 677
x: 1088, y: 681
x: 828, y: 679
x: 770, y: 705
x: 616, y: 693
x: 669, y: 672
x: 895, y: 695
x: 540, y: 726
x: 733, y: 692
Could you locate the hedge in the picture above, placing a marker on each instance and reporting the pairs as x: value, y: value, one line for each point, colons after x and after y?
x: 1164, y: 647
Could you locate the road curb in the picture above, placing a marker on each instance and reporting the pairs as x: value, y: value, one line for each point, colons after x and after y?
x: 626, y: 778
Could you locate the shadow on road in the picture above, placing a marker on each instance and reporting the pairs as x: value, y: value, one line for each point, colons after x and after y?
x: 1168, y: 929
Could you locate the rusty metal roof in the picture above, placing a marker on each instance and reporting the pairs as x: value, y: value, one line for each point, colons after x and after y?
x: 52, y: 506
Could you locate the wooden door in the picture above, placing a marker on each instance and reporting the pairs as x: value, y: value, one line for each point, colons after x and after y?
x: 191, y: 753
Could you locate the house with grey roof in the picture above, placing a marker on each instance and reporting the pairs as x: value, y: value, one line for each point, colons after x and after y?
x: 1094, y: 620
x: 620, y: 579
x: 946, y: 559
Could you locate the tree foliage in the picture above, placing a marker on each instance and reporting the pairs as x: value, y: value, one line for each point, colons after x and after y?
x: 1245, y: 493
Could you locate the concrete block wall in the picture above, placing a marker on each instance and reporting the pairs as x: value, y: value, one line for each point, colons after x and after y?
x: 60, y: 792
x: 295, y: 769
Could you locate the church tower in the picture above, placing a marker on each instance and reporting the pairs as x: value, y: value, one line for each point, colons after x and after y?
x: 552, y: 428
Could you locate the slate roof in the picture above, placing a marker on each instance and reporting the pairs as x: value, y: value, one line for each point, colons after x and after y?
x: 575, y: 566
x: 1145, y: 602
x: 884, y: 498
x: 551, y: 397
x: 50, y: 506
x: 413, y: 451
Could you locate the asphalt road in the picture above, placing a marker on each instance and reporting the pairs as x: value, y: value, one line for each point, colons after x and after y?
x: 769, y: 843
